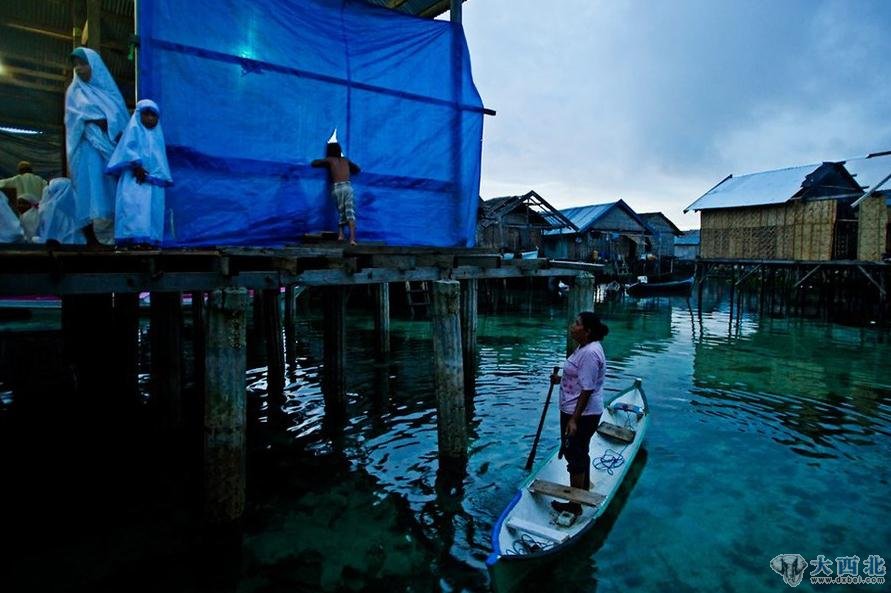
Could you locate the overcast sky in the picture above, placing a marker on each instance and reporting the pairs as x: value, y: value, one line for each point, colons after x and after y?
x: 656, y: 101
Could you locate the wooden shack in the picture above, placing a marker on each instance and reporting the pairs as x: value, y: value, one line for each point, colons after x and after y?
x: 664, y: 233
x: 610, y: 232
x: 801, y: 213
x: 513, y: 224
x: 686, y: 246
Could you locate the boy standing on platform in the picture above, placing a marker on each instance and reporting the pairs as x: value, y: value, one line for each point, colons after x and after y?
x: 339, y: 170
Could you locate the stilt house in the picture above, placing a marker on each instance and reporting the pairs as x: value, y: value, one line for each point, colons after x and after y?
x: 664, y: 233
x: 516, y: 223
x: 611, y: 232
x: 802, y: 213
x: 686, y: 247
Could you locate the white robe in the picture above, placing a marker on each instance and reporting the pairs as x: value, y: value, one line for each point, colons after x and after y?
x: 30, y: 218
x: 25, y: 184
x: 89, y: 148
x: 57, y: 219
x: 139, y: 207
x: 10, y: 226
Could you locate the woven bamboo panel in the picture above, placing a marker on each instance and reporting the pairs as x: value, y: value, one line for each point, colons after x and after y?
x: 873, y: 224
x: 801, y: 231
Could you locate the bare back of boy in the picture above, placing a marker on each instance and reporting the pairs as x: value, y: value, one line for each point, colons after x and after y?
x: 339, y: 168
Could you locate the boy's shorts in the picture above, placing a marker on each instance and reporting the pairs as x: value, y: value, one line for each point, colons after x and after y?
x: 342, y: 192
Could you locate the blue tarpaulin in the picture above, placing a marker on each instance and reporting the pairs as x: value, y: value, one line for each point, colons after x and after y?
x: 251, y: 91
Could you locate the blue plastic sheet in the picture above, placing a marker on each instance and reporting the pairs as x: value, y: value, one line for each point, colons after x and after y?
x: 251, y: 91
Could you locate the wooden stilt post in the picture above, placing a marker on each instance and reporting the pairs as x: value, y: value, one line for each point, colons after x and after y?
x: 469, y: 319
x: 275, y: 364
x: 258, y: 333
x: 289, y: 322
x: 126, y: 348
x: 224, y: 409
x: 581, y: 298
x: 167, y: 368
x: 199, y: 329
x: 382, y: 319
x: 449, y: 372
x: 702, y: 276
x: 333, y: 385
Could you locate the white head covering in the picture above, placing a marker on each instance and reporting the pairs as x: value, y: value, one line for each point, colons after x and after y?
x: 142, y: 146
x: 10, y: 225
x: 99, y: 98
x: 57, y: 218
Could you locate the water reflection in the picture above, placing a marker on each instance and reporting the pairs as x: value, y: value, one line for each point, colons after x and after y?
x: 753, y: 421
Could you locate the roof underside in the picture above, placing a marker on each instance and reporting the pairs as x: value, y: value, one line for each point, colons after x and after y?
x: 37, y: 36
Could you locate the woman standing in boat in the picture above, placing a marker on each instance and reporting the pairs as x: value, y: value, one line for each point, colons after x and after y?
x: 581, y: 401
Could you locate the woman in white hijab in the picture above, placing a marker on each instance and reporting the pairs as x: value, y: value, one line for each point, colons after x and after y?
x: 95, y: 117
x: 57, y: 214
x: 141, y: 161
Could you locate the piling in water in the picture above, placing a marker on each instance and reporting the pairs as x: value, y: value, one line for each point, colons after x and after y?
x: 333, y: 383
x: 448, y: 371
x: 167, y: 347
x: 382, y: 319
x: 224, y: 409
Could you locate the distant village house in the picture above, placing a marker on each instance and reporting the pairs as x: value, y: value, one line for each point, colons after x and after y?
x: 515, y: 224
x: 610, y: 232
x: 831, y: 211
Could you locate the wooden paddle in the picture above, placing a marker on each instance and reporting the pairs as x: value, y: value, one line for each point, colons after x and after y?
x: 541, y: 422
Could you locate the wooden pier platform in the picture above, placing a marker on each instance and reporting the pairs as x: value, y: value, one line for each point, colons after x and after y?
x: 75, y: 270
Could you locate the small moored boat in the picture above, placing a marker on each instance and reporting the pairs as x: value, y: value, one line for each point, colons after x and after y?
x: 666, y: 285
x: 529, y: 531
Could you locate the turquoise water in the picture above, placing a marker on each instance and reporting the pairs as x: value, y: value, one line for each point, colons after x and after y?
x: 768, y: 436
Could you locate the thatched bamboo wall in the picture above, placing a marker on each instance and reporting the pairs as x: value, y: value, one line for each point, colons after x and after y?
x: 795, y: 231
x: 872, y: 228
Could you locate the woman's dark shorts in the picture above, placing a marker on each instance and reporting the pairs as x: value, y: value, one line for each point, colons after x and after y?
x: 575, y: 448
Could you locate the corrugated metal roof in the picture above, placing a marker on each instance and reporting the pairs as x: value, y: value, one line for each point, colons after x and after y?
x: 582, y: 217
x: 586, y: 217
x: 649, y: 217
x: 755, y: 189
x: 871, y: 170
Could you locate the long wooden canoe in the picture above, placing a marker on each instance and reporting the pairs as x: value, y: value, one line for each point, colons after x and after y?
x: 529, y: 531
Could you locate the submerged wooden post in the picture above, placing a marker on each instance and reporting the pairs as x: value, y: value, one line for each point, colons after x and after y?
x: 289, y: 319
x: 167, y: 368
x: 382, y: 318
x: 448, y: 370
x: 224, y: 409
x: 581, y: 298
x: 199, y: 329
x: 469, y: 319
x: 275, y: 363
x: 126, y: 347
x: 333, y: 386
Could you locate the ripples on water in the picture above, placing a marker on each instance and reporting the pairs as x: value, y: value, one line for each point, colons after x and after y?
x: 768, y: 436
x: 759, y: 429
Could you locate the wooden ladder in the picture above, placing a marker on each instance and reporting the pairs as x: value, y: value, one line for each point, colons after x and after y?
x: 418, y: 295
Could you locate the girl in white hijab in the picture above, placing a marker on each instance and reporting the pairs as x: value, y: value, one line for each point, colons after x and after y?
x: 141, y: 161
x: 57, y: 214
x: 95, y: 117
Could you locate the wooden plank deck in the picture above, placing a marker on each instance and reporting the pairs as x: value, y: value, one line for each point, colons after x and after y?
x: 28, y: 270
